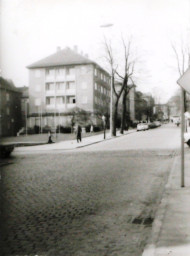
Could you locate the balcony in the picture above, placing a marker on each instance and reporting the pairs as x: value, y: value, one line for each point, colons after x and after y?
x: 50, y: 78
x: 71, y: 92
x: 71, y: 105
x: 60, y: 107
x: 51, y: 106
x: 60, y: 78
x: 50, y: 93
x: 70, y: 77
x: 60, y: 92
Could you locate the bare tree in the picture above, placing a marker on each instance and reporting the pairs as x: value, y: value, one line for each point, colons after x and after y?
x: 116, y: 93
x: 128, y: 77
x: 182, y: 55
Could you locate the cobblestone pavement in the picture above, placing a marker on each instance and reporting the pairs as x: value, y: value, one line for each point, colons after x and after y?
x: 81, y: 203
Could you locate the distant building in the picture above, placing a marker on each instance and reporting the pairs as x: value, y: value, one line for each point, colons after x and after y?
x: 64, y: 83
x: 150, y: 105
x: 10, y: 108
x: 24, y: 104
x: 130, y: 101
x: 162, y: 111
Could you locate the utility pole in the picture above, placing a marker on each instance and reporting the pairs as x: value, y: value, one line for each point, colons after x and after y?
x: 182, y: 137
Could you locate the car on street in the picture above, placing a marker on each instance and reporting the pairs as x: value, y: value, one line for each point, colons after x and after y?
x: 6, y: 149
x: 157, y: 123
x: 142, y: 127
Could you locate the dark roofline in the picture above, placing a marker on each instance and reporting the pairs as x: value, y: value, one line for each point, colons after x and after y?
x: 8, y: 85
x: 85, y: 61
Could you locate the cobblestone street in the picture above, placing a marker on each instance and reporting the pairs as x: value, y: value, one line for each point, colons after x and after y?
x: 81, y: 203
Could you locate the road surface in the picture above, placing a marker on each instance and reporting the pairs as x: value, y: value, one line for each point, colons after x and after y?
x: 98, y: 200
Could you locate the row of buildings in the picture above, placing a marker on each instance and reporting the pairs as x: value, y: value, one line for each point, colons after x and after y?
x: 64, y: 88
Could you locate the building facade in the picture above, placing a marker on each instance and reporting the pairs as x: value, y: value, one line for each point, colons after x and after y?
x: 130, y: 102
x: 162, y: 111
x: 10, y: 108
x: 24, y: 106
x: 64, y: 84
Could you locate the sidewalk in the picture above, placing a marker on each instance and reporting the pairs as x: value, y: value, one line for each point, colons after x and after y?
x: 171, y: 228
x: 70, y: 144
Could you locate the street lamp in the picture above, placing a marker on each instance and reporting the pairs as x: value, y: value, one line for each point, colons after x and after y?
x: 108, y: 25
x: 26, y: 115
x: 104, y: 125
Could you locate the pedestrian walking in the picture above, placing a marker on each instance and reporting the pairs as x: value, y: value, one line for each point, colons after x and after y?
x: 50, y: 137
x: 79, y: 132
x: 91, y: 128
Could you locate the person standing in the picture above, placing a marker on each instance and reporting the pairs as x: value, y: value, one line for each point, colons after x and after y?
x: 79, y: 132
x: 50, y: 137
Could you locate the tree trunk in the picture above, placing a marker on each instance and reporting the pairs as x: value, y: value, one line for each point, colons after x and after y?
x: 114, y: 118
x: 123, y: 114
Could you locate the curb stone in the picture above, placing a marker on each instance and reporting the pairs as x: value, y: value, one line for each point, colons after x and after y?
x: 150, y: 248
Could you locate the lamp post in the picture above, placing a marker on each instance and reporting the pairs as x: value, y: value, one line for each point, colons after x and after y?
x: 104, y: 125
x: 111, y: 105
x: 108, y: 25
x: 26, y: 116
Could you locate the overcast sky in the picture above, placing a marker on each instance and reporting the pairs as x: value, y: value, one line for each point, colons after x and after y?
x: 32, y: 29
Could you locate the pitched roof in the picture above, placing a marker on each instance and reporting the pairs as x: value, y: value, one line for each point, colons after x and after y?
x: 61, y: 58
x: 8, y: 84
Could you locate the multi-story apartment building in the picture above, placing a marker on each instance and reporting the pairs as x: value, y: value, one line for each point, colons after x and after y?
x: 65, y: 82
x: 10, y: 108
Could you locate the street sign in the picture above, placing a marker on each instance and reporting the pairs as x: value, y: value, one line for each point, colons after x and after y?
x: 184, y: 81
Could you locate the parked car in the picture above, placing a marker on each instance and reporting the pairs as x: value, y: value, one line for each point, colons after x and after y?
x: 142, y: 127
x: 6, y: 149
x: 157, y: 123
x: 152, y: 125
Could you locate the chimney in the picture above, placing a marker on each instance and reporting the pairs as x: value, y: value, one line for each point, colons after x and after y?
x: 75, y: 48
x: 58, y: 48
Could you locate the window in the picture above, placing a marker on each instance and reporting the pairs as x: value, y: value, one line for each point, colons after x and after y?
x: 96, y: 87
x: 60, y: 100
x: 96, y: 100
x: 95, y: 72
x: 70, y: 85
x: 60, y: 86
x: 37, y: 102
x: 49, y: 87
x: 84, y: 100
x: 67, y: 71
x: 37, y: 73
x: 48, y: 101
x: 8, y: 111
x: 50, y: 72
x: 71, y: 100
x: 60, y: 71
x: 102, y: 89
x: 7, y: 96
x: 84, y: 85
x: 101, y: 75
x: 70, y: 71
